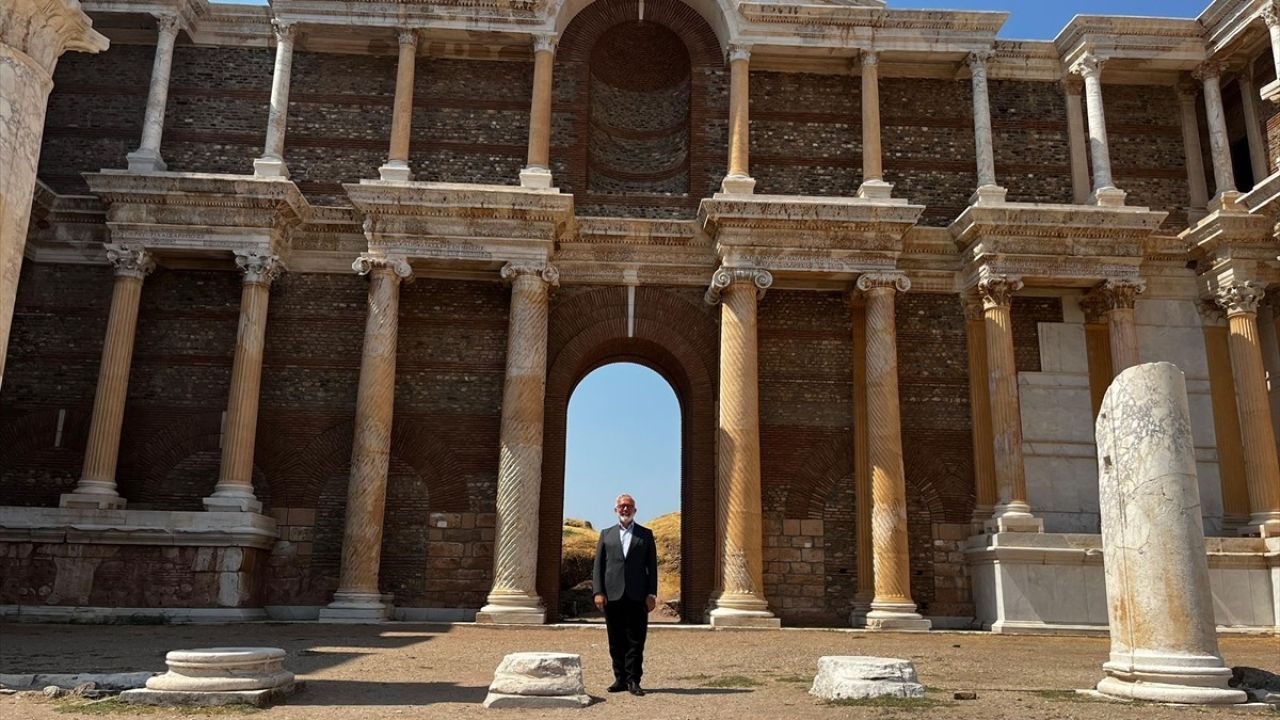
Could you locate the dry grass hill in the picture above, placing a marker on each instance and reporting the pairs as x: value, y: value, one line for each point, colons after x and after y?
x: 578, y: 552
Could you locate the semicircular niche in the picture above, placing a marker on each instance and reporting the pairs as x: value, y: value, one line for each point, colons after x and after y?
x: 639, y: 111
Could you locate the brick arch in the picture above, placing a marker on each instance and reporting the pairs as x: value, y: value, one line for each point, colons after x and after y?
x: 677, y: 338
x: 31, y: 437
x: 813, y: 481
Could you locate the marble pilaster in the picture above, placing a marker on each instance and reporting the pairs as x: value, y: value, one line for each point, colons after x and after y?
x: 1196, y: 187
x: 1209, y: 74
x: 1253, y: 131
x: 1073, y: 91
x: 514, y: 596
x: 234, y: 491
x: 272, y: 164
x: 739, y: 178
x: 980, y: 410
x: 739, y: 597
x: 988, y: 189
x: 358, y: 597
x: 1105, y: 191
x: 1226, y: 418
x: 537, y: 170
x: 866, y: 588
x: 873, y: 184
x: 397, y: 166
x: 147, y: 157
x: 97, y: 486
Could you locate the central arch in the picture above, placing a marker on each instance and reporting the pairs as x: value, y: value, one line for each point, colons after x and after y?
x: 672, y: 332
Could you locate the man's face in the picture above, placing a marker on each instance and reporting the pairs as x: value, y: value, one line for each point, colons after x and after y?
x: 625, y: 509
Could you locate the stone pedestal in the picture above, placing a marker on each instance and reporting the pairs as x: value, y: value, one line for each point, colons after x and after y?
x: 218, y: 676
x: 850, y: 677
x: 538, y: 680
x: 1164, y: 647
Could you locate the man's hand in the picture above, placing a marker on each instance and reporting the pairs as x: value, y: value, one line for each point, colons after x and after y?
x: 601, y: 601
x: 651, y: 602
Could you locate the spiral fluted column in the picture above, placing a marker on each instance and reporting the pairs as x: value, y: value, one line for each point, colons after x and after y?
x: 984, y: 476
x: 1012, y: 512
x: 514, y: 597
x: 866, y: 589
x: 892, y: 608
x: 1261, y: 467
x: 358, y: 596
x: 739, y: 597
x: 234, y: 491
x: 97, y: 485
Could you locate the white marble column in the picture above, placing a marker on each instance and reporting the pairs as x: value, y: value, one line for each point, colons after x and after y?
x: 272, y: 164
x: 1073, y: 90
x: 514, y: 597
x: 147, y: 157
x: 234, y: 491
x: 1105, y: 191
x: 97, y: 486
x: 873, y: 184
x: 988, y: 191
x: 1209, y: 74
x: 1253, y: 131
x: 33, y: 35
x: 739, y: 179
x: 1271, y: 16
x: 397, y: 166
x: 537, y: 169
x: 1197, y: 191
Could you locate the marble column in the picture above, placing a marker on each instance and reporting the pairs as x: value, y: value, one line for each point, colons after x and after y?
x: 739, y: 597
x: 1119, y: 298
x: 33, y: 35
x: 97, y: 486
x: 234, y: 491
x: 1261, y: 467
x: 1073, y: 90
x: 1012, y: 512
x: 1271, y: 16
x: 514, y: 597
x: 147, y: 157
x: 1196, y: 187
x: 980, y: 410
x: 358, y: 596
x: 866, y: 589
x: 988, y: 190
x: 1253, y: 131
x: 272, y: 164
x: 873, y: 184
x: 537, y: 171
x: 739, y: 179
x: 1224, y: 179
x: 892, y: 608
x: 1105, y: 191
x: 397, y: 166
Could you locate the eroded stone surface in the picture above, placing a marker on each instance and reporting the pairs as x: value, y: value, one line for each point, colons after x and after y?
x: 842, y: 677
x: 538, y: 679
x: 229, y: 669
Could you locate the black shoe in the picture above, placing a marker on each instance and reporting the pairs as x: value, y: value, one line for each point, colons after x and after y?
x: 618, y: 686
x: 635, y: 689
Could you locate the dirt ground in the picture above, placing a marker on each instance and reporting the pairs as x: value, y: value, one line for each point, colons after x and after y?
x: 399, y: 670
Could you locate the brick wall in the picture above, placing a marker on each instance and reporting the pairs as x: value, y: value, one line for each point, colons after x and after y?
x: 806, y: 135
x: 1032, y: 146
x: 1148, y: 158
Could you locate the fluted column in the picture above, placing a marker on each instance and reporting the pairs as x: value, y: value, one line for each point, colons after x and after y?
x: 33, y: 35
x: 1197, y: 191
x: 980, y: 410
x: 234, y: 491
x: 866, y: 589
x: 537, y: 171
x: 514, y: 597
x: 1253, y: 131
x: 1226, y: 417
x: 147, y: 157
x: 739, y: 597
x: 873, y: 184
x: 1261, y: 467
x: 397, y: 166
x: 358, y: 596
x: 1012, y: 512
x: 272, y: 164
x: 1271, y: 16
x: 1118, y: 299
x: 1208, y: 74
x: 988, y: 190
x: 1073, y: 90
x: 739, y: 179
x: 1105, y: 191
x: 97, y: 485
x: 892, y: 608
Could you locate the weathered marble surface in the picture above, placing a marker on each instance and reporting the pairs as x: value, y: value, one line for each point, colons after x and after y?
x: 842, y: 677
x: 538, y: 680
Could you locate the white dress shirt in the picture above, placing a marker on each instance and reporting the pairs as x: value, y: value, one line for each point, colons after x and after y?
x: 624, y: 533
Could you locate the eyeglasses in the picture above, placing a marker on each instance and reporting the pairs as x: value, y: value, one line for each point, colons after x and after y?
x: 626, y: 505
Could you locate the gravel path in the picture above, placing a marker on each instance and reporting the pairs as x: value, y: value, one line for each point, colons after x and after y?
x: 365, y: 672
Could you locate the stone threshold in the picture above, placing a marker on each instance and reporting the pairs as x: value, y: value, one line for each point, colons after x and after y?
x: 137, y: 527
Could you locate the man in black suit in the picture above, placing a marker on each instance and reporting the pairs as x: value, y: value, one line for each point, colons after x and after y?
x: 625, y: 583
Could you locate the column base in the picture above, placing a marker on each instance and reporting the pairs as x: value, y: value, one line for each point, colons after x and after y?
x: 536, y: 178
x: 1014, y: 517
x: 858, y: 616
x: 1108, y: 197
x: 1225, y: 202
x: 1195, y: 679
x: 989, y: 195
x: 395, y: 171
x: 741, y: 610
x: 1264, y: 525
x: 91, y: 501
x: 145, y: 161
x: 270, y: 167
x: 738, y: 185
x: 896, y: 617
x: 357, y: 607
x: 875, y: 190
x: 512, y: 608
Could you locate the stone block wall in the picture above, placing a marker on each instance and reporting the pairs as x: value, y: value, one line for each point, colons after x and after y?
x: 1032, y: 146
x: 1148, y: 158
x: 806, y: 133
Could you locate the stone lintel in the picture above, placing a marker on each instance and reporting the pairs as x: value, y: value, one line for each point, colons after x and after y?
x: 137, y: 527
x: 1230, y: 233
x: 1264, y: 198
x: 1043, y: 226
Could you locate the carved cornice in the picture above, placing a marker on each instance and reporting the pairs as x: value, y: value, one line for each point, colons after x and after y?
x: 546, y: 272
x: 130, y: 261
x: 997, y: 290
x: 1240, y: 298
x: 259, y: 268
x: 44, y: 29
x: 397, y: 265
x: 883, y: 280
x: 724, y: 277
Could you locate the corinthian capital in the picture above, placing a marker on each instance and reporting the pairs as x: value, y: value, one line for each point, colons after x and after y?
x: 1089, y: 66
x: 1271, y: 14
x: 546, y: 272
x: 130, y: 262
x: 1120, y: 294
x: 1207, y: 70
x: 724, y: 277
x: 997, y: 290
x: 259, y: 268
x: 1240, y: 298
x: 738, y: 52
x: 395, y: 264
x: 167, y: 23
x: 892, y: 280
x: 978, y: 62
x: 544, y: 42
x: 408, y: 36
x: 284, y: 31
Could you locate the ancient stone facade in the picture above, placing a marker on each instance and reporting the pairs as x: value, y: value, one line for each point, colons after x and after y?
x: 306, y: 291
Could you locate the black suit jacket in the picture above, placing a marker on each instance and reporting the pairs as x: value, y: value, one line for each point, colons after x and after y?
x: 636, y: 575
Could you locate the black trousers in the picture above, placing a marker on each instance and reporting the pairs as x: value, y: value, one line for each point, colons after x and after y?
x: 628, y: 624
